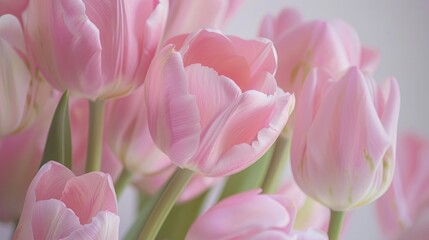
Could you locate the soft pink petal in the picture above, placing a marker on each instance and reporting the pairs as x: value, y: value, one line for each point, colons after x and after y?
x: 215, y: 50
x: 272, y: 27
x: 104, y: 226
x: 259, y: 54
x: 66, y: 45
x: 173, y: 114
x: 243, y: 132
x: 241, y: 215
x: 52, y: 220
x: 369, y: 59
x: 89, y: 194
x: 47, y: 184
x: 15, y: 7
x: 213, y: 93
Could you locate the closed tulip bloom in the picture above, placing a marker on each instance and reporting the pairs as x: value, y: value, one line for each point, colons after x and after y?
x: 303, y: 45
x: 405, y: 206
x: 212, y: 102
x: 250, y: 215
x: 22, y: 93
x: 60, y: 205
x: 185, y: 16
x: 14, y: 7
x: 343, y: 149
x: 97, y: 49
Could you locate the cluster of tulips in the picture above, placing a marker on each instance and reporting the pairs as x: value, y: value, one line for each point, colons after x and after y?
x: 275, y: 137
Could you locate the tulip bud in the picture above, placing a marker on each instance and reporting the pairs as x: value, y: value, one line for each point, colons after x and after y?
x: 343, y: 149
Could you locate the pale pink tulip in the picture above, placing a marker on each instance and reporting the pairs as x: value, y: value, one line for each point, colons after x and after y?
x: 343, y: 149
x: 153, y: 183
x: 250, y: 215
x: 60, y: 205
x: 22, y: 93
x: 408, y: 197
x: 97, y: 49
x: 15, y: 7
x: 129, y: 138
x: 186, y: 16
x: 213, y: 104
x: 303, y: 45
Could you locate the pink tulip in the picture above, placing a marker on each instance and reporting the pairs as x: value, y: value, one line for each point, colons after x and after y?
x: 187, y: 16
x: 343, y: 149
x: 60, y: 205
x: 22, y: 93
x: 97, y: 49
x: 129, y: 138
x: 14, y: 7
x: 250, y: 215
x: 407, y: 199
x: 213, y: 104
x: 303, y: 45
x: 153, y: 183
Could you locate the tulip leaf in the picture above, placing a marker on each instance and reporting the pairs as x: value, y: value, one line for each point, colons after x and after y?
x: 58, y: 145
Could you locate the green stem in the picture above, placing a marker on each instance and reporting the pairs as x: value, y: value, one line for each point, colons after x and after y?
x: 122, y: 182
x: 335, y: 224
x: 95, y: 135
x: 165, y: 203
x: 277, y: 165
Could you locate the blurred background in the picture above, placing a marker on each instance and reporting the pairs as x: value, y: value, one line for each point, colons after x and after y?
x: 399, y: 29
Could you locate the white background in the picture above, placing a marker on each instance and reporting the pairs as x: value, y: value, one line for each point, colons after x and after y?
x: 398, y: 28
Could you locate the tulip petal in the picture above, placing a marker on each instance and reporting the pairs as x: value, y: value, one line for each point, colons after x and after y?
x: 66, y: 44
x: 213, y: 93
x: 241, y: 134
x: 52, y: 220
x: 105, y: 225
x: 173, y: 114
x: 273, y: 28
x: 89, y: 194
x: 240, y: 216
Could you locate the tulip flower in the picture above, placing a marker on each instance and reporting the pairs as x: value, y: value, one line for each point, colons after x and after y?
x: 95, y: 49
x: 303, y: 45
x: 60, y: 205
x: 250, y: 215
x: 186, y: 16
x: 406, y: 203
x: 22, y: 93
x: 343, y: 149
x: 212, y: 102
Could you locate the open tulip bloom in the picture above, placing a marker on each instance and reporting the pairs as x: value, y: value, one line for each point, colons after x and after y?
x: 192, y: 120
